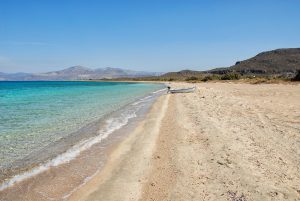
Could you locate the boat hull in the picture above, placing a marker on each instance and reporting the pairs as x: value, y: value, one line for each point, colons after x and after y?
x: 186, y: 90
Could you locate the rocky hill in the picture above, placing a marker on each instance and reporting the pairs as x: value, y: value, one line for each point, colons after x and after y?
x: 280, y: 62
x: 271, y: 62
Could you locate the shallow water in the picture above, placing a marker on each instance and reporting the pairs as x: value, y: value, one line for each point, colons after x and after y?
x: 52, y: 122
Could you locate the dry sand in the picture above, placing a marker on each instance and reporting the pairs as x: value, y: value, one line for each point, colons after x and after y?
x: 233, y: 142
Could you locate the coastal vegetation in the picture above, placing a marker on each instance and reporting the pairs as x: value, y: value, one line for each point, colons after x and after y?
x: 210, y: 77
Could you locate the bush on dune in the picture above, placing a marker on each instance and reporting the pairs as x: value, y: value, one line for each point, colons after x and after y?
x: 230, y: 76
x: 227, y: 76
x: 193, y: 78
x: 210, y: 77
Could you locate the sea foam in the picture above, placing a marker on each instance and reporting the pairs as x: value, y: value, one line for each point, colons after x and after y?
x: 111, y: 125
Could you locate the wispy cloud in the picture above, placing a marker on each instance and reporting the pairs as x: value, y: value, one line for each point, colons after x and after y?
x: 4, y: 59
x: 25, y: 43
x: 5, y: 63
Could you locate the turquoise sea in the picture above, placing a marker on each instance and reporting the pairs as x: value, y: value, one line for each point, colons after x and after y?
x: 36, y: 115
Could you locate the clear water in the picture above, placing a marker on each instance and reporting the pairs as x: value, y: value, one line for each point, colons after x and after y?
x: 35, y: 114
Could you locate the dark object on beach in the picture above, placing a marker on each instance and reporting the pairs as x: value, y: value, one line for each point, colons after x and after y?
x: 234, y: 197
x: 169, y: 88
x: 297, y: 77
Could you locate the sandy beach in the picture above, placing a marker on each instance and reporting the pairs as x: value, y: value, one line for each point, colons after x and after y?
x: 226, y: 141
x: 149, y: 100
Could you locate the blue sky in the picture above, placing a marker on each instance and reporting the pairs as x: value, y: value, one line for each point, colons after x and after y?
x: 150, y: 35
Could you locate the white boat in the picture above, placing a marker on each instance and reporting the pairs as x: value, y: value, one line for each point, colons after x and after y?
x: 183, y: 90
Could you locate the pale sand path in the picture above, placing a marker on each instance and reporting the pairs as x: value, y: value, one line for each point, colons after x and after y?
x: 230, y: 142
x: 226, y: 141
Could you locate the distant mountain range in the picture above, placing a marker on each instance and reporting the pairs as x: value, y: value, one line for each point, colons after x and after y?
x: 284, y: 62
x: 77, y: 73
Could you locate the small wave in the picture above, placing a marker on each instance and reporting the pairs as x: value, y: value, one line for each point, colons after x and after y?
x: 158, y: 91
x: 112, y: 125
x: 141, y: 100
x: 147, y: 97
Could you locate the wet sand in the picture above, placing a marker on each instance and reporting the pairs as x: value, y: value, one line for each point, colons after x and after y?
x: 128, y: 165
x: 223, y: 142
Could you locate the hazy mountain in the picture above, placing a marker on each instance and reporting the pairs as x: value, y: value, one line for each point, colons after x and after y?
x: 77, y: 73
x: 182, y: 74
x: 13, y: 76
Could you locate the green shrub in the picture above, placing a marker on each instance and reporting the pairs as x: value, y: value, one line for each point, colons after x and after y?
x: 193, y: 78
x: 210, y: 77
x: 230, y: 76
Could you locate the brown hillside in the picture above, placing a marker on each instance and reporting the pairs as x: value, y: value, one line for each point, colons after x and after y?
x: 271, y: 62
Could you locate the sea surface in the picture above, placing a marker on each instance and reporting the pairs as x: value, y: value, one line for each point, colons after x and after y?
x: 43, y: 124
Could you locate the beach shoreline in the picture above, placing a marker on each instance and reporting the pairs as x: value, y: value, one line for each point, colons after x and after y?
x: 225, y: 141
x: 59, y: 177
x: 128, y: 163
